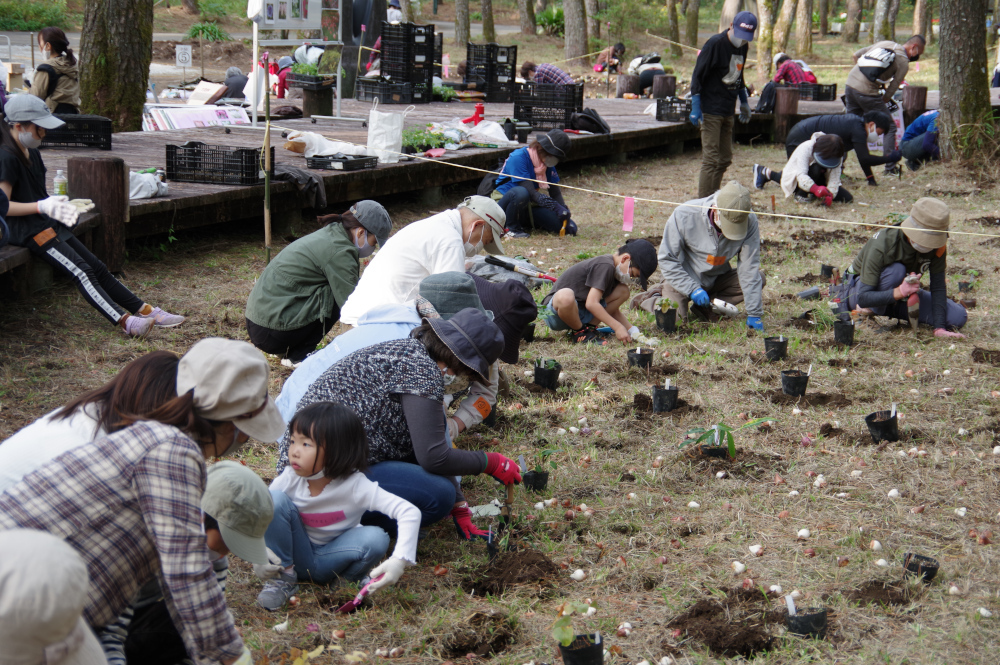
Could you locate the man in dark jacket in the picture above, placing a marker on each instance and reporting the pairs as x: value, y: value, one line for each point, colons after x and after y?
x: 716, y: 82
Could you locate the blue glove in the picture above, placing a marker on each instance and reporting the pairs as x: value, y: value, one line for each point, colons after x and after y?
x: 700, y: 297
x: 696, y: 114
x: 754, y: 322
x: 744, y: 107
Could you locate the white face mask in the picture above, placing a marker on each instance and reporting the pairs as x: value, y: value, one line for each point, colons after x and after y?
x: 736, y: 41
x: 363, y: 249
x: 472, y: 250
x: 624, y: 275
x: 28, y: 140
x: 550, y: 161
x: 873, y: 135
x: 921, y: 249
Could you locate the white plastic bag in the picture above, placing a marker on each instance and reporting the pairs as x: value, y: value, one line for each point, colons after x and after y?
x: 145, y: 186
x: 385, y: 134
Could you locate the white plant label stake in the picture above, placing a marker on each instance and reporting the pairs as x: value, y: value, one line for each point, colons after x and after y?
x: 893, y: 414
x: 790, y: 602
x: 666, y: 384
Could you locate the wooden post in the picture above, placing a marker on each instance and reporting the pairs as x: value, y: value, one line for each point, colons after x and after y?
x: 914, y: 102
x: 317, y: 102
x: 664, y: 86
x: 105, y: 181
x: 786, y: 105
x: 627, y: 83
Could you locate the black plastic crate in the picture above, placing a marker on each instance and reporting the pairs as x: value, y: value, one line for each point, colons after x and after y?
x: 344, y: 163
x: 423, y: 93
x: 541, y: 117
x: 673, y: 109
x: 310, y: 81
x: 438, y: 53
x: 216, y: 164
x: 396, y: 32
x: 500, y: 93
x: 387, y: 92
x: 84, y: 131
x: 825, y: 92
x: 550, y: 95
x: 490, y: 54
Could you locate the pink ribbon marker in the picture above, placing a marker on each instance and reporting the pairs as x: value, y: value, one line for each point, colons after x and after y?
x: 627, y: 213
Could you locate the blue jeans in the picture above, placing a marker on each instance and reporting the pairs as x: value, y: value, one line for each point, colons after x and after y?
x: 432, y: 494
x: 350, y: 555
x: 892, y: 276
x: 552, y: 320
x: 516, y: 203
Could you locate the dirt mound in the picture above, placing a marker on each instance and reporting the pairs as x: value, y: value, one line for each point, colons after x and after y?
x: 988, y: 221
x: 808, y: 279
x: 339, y: 596
x: 827, y: 429
x: 735, y: 627
x: 835, y: 400
x: 986, y: 356
x: 813, y: 239
x: 229, y: 51
x: 481, y: 634
x: 841, y: 362
x: 510, y: 568
x: 879, y: 592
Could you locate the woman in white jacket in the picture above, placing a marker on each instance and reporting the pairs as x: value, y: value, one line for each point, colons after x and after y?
x: 813, y: 171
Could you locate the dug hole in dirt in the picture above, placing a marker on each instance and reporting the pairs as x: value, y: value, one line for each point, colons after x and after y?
x: 526, y: 567
x: 835, y: 400
x: 879, y: 592
x: 736, y: 626
x: 482, y: 634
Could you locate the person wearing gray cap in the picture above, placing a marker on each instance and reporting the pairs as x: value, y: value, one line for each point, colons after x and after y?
x: 398, y: 390
x: 440, y: 243
x: 301, y: 292
x: 527, y: 188
x: 285, y: 63
x: 130, y: 503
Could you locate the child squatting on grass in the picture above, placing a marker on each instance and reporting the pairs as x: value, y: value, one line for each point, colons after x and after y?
x: 319, y: 500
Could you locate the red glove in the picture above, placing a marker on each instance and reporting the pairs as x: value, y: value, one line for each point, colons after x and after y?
x: 821, y: 192
x: 941, y: 332
x: 503, y: 469
x: 463, y: 523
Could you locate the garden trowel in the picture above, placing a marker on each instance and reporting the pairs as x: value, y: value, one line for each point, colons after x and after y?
x: 352, y: 605
x: 913, y: 302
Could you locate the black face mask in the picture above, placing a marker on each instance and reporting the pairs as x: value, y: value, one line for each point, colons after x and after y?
x: 915, y: 58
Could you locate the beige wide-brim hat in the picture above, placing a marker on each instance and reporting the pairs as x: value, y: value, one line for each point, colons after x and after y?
x: 928, y: 223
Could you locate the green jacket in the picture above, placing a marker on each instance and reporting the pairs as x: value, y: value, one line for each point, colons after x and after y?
x: 305, y: 281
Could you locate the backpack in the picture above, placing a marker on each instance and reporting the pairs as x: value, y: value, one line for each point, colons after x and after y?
x: 54, y: 77
x: 767, y: 98
x: 589, y: 120
x: 491, y: 181
x: 874, y: 63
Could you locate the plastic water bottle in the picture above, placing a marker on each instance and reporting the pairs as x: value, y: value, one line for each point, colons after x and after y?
x: 60, y: 183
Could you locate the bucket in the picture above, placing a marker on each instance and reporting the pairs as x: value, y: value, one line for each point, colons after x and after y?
x: 547, y: 378
x: 666, y: 321
x: 793, y: 382
x: 776, y: 348
x: 825, y: 270
x: 640, y: 358
x: 808, y: 622
x: 924, y: 566
x: 882, y: 426
x: 529, y: 333
x: 508, y: 129
x: 843, y: 332
x: 584, y: 650
x: 536, y: 481
x: 664, y: 399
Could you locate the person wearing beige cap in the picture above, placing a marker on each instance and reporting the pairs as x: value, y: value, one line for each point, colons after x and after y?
x: 440, y: 243
x: 884, y: 279
x: 700, y: 238
x: 130, y: 503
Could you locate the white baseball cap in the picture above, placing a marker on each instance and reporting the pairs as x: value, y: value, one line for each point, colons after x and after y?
x: 490, y: 212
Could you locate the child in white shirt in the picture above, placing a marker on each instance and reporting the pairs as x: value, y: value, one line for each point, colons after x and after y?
x: 319, y: 500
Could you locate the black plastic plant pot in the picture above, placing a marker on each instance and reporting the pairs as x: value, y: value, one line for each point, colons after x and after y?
x: 640, y: 358
x: 522, y: 134
x: 529, y: 333
x: 584, y: 650
x: 793, y: 382
x: 714, y: 451
x: 924, y: 566
x: 825, y: 270
x: 536, y: 481
x: 809, y: 294
x: 843, y: 332
x: 664, y: 399
x: 509, y: 130
x: 776, y: 348
x: 666, y: 321
x: 548, y: 378
x: 808, y: 622
x: 883, y: 426
x: 964, y: 286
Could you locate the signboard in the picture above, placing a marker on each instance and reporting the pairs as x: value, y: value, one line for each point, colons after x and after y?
x: 183, y: 54
x: 292, y: 14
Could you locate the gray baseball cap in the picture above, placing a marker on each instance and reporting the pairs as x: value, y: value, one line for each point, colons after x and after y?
x: 28, y: 108
x: 374, y: 218
x: 240, y: 502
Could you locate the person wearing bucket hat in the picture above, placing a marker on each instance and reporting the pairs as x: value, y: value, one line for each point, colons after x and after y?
x: 876, y: 281
x: 527, y: 187
x: 43, y: 224
x: 300, y: 294
x: 393, y: 13
x: 700, y: 238
x: 398, y: 389
x: 440, y: 243
x: 813, y: 171
x: 129, y: 503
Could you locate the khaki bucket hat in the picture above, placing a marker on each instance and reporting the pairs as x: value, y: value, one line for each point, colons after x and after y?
x: 928, y: 223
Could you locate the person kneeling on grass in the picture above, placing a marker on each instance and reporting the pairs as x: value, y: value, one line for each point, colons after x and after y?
x: 920, y: 141
x: 875, y: 284
x: 595, y: 289
x: 699, y: 240
x: 813, y: 171
x: 319, y: 500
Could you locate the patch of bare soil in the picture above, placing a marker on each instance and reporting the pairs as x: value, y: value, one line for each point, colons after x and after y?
x: 642, y: 407
x: 878, y: 592
x: 827, y: 429
x: 808, y: 279
x: 653, y: 376
x: 534, y: 388
x: 986, y: 221
x: 734, y: 627
x: 482, y: 634
x: 230, y: 51
x: 816, y: 238
x: 527, y: 567
x: 986, y: 356
x: 836, y: 400
x: 841, y: 362
x: 747, y: 465
x: 339, y: 596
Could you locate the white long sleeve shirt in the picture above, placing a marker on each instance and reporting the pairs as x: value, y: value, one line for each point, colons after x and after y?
x: 796, y: 171
x: 342, y: 503
x: 426, y: 247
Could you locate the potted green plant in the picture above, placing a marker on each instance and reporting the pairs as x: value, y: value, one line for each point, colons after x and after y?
x: 307, y: 77
x: 547, y: 373
x: 586, y: 649
x: 717, y: 440
x: 538, y: 478
x: 419, y: 139
x: 665, y: 311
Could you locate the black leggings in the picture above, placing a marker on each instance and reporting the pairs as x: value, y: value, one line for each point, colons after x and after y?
x: 292, y: 344
x: 104, y: 293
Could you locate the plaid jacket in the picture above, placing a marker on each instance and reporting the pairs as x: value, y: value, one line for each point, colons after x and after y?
x: 546, y: 73
x: 791, y: 72
x: 129, y: 503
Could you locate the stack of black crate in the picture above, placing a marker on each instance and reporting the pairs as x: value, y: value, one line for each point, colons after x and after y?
x: 491, y: 68
x: 408, y: 56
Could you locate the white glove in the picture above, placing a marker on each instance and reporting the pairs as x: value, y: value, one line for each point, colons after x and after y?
x: 83, y: 205
x: 60, y: 209
x: 391, y: 568
x: 245, y: 658
x: 269, y: 571
x: 453, y: 429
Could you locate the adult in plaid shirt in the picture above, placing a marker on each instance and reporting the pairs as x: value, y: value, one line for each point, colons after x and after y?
x: 545, y: 73
x: 129, y: 503
x: 791, y: 72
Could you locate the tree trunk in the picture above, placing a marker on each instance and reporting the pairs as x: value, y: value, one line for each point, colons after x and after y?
x: 691, y: 23
x: 462, y: 36
x: 526, y: 9
x: 729, y: 10
x: 190, y: 6
x: 920, y: 23
x: 765, y: 40
x: 963, y: 77
x: 930, y: 23
x: 409, y: 16
x: 893, y: 13
x: 824, y: 18
x: 852, y: 23
x: 593, y: 23
x: 575, y: 13
x: 803, y: 28
x: 489, y: 33
x: 783, y: 26
x: 880, y: 22
x: 673, y: 29
x: 540, y: 6
x: 117, y: 39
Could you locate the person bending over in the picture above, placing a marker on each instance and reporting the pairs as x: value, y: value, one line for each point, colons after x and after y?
x: 920, y: 141
x: 791, y: 71
x: 813, y: 171
x: 545, y: 73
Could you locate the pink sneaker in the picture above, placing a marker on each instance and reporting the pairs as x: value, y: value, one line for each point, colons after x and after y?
x: 138, y: 326
x: 164, y: 319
